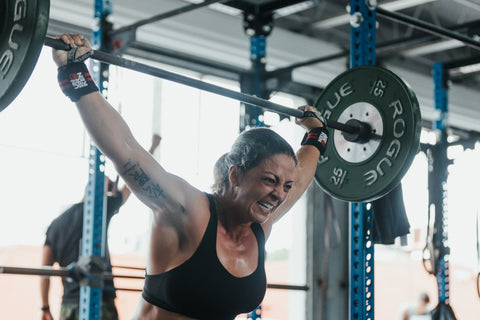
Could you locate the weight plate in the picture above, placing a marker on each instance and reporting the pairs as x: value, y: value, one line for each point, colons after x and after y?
x: 362, y: 172
x: 23, y: 28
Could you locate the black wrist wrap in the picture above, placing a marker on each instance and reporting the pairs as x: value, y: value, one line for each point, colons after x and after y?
x: 75, y: 80
x: 317, y: 137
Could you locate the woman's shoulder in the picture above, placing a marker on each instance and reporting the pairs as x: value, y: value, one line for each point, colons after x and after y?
x: 199, y: 208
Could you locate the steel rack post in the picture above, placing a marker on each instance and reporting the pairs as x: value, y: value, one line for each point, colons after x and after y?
x: 257, y: 25
x: 94, y: 217
x: 440, y: 171
x: 257, y: 56
x: 362, y: 52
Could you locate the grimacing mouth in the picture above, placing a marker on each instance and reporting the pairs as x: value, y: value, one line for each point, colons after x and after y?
x: 266, y: 205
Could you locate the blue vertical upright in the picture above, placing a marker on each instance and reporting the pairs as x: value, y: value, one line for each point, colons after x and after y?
x: 440, y: 236
x: 362, y: 52
x: 258, y: 26
x: 257, y: 57
x: 94, y: 222
x: 258, y: 52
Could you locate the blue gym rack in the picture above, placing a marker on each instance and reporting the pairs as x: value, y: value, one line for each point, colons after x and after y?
x: 361, y: 285
x: 94, y: 217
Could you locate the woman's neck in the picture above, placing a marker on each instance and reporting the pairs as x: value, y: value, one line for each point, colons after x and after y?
x: 230, y: 218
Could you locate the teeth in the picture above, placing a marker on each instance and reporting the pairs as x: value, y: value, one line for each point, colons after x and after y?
x: 266, y: 205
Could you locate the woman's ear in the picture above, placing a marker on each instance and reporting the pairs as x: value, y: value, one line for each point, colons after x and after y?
x: 234, y: 175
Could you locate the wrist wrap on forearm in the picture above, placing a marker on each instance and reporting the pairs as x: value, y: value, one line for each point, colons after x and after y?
x: 317, y: 137
x: 75, y: 80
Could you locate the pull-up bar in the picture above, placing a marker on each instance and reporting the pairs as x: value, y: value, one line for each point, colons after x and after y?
x: 428, y: 27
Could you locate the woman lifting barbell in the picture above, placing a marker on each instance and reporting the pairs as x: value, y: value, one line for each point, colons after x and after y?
x: 206, y: 257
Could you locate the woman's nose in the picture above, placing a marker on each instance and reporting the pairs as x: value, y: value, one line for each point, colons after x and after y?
x: 279, y: 193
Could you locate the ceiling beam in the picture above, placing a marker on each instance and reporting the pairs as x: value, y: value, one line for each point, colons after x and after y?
x: 344, y: 19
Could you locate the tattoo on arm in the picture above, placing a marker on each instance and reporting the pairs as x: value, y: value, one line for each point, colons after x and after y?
x: 133, y: 170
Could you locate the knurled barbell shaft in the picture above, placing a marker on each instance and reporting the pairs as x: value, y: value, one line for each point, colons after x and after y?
x: 44, y: 271
x: 59, y: 272
x: 167, y: 75
x: 64, y: 272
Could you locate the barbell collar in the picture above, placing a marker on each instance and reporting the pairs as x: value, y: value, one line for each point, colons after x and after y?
x: 363, y: 134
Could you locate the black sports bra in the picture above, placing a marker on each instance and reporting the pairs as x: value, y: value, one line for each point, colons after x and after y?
x: 202, y: 288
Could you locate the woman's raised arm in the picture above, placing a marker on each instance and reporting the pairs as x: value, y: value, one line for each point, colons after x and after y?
x: 111, y: 134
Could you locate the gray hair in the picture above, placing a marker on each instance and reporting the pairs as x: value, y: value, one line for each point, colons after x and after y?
x: 250, y: 149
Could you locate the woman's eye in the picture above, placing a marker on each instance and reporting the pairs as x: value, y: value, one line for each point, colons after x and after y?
x: 269, y: 180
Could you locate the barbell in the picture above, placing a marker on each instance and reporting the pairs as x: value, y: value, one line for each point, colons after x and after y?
x: 84, y: 277
x: 374, y: 115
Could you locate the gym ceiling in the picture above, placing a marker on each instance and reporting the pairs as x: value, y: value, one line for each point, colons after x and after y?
x: 212, y: 40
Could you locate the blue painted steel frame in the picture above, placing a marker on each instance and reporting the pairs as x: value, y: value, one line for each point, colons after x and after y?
x: 93, y: 238
x: 440, y: 239
x: 258, y: 52
x: 258, y: 45
x: 363, y: 37
x: 362, y: 52
x: 94, y: 221
x: 361, y: 262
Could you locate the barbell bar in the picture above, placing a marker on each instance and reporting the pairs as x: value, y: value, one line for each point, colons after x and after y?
x: 198, y: 84
x: 67, y: 272
x: 23, y: 32
x: 269, y: 286
x: 60, y: 272
x: 376, y: 116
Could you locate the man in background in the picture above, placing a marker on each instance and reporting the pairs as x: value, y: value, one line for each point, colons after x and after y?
x: 63, y: 243
x: 419, y: 309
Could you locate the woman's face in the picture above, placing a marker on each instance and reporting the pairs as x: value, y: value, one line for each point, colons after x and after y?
x: 263, y: 188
